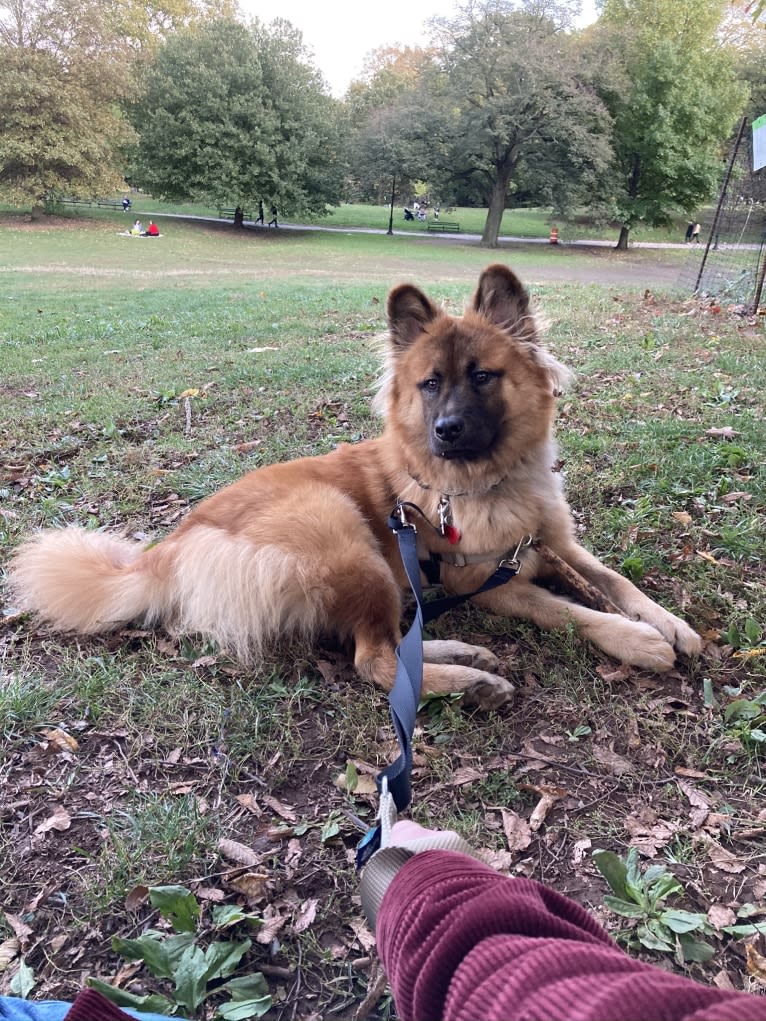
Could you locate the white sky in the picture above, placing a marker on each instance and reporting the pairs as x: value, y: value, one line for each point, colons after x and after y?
x: 342, y: 32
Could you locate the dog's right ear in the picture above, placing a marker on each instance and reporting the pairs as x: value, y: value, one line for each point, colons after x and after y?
x: 409, y: 312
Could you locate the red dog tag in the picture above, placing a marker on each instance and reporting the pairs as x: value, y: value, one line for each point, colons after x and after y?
x: 452, y: 534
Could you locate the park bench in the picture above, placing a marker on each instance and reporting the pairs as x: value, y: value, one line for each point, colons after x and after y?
x: 445, y: 226
x: 109, y: 203
x: 228, y: 214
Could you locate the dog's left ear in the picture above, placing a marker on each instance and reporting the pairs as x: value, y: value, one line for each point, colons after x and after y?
x: 502, y: 298
x: 409, y: 312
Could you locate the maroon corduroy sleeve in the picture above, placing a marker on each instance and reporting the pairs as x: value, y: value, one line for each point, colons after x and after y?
x: 92, y: 1006
x: 460, y: 942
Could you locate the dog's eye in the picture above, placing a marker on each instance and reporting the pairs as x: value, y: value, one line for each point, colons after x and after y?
x: 430, y: 386
x: 481, y: 377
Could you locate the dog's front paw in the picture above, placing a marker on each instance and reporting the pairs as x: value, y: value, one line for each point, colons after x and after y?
x: 674, y: 630
x: 476, y: 656
x: 489, y: 692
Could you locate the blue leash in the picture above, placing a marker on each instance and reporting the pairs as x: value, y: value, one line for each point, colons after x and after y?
x: 404, y: 697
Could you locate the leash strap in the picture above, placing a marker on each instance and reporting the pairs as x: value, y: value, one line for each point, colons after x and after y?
x: 394, y: 781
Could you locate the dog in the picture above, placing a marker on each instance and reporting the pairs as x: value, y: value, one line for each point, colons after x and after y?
x: 303, y: 548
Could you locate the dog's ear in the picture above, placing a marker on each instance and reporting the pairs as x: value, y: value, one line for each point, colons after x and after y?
x: 502, y: 298
x: 409, y: 311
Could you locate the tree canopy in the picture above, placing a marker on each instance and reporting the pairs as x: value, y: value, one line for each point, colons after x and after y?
x: 674, y: 99
x: 513, y: 100
x: 231, y: 114
x: 63, y: 72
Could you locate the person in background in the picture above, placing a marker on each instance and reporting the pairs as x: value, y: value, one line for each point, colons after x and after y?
x: 260, y: 212
x: 696, y: 233
x: 689, y: 229
x: 126, y: 204
x: 273, y: 220
x: 137, y: 228
x: 460, y: 942
x: 152, y: 231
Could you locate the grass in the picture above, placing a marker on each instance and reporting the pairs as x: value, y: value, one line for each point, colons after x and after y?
x: 137, y: 379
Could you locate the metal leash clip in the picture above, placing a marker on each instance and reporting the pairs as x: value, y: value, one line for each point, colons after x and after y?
x: 513, y: 563
x: 380, y: 834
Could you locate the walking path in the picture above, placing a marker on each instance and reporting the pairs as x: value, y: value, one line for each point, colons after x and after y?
x: 462, y: 236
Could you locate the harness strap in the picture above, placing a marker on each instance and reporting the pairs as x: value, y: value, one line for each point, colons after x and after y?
x: 404, y: 697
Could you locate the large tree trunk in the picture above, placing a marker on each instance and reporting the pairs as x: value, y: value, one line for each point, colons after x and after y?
x: 496, y: 209
x: 622, y: 243
x: 635, y: 177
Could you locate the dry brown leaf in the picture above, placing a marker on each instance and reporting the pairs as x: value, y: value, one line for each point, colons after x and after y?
x: 613, y: 674
x: 719, y: 915
x: 172, y: 757
x: 726, y: 432
x: 136, y: 897
x: 212, y: 894
x: 648, y: 834
x: 271, y: 926
x: 9, y: 951
x: 282, y: 810
x: 579, y: 848
x: 683, y: 517
x: 723, y: 859
x: 306, y: 915
x: 60, y: 821
x: 232, y: 850
x: 615, y: 763
x: 466, y: 774
x: 517, y: 830
x: 21, y: 929
x: 501, y: 861
x: 365, y: 784
x: 722, y: 979
x: 250, y: 802
x: 59, y: 740
x: 756, y: 964
x: 699, y: 801
x: 253, y: 885
x: 363, y: 934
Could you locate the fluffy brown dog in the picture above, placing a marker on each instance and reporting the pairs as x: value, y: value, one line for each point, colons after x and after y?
x: 304, y: 547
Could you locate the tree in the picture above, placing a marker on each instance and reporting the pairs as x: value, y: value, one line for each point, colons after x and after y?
x: 674, y: 100
x: 231, y: 114
x: 63, y: 73
x: 515, y: 101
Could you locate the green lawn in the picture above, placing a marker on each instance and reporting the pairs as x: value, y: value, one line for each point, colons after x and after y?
x: 138, y: 376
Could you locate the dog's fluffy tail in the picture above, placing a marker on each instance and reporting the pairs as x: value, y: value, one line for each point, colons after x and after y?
x: 205, y: 581
x: 82, y: 581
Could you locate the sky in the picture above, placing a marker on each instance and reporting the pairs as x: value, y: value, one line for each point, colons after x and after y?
x: 342, y: 32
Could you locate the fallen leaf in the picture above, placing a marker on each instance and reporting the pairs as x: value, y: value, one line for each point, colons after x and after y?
x: 723, y: 859
x: 253, y: 885
x: 614, y: 762
x: 734, y: 497
x: 192, y: 392
x: 363, y: 934
x: 9, y: 951
x: 59, y: 740
x: 172, y: 757
x: 365, y: 784
x: 21, y: 929
x: 282, y: 810
x: 756, y: 964
x: 60, y: 821
x: 501, y: 861
x: 727, y: 432
x: 232, y: 850
x: 306, y: 916
x: 683, y: 517
x: 700, y: 804
x: 722, y: 979
x: 648, y: 834
x: 271, y: 926
x: 719, y: 915
x: 210, y: 893
x: 579, y: 848
x: 466, y: 774
x: 136, y: 897
x: 517, y: 831
x: 250, y: 802
x: 612, y: 676
x: 245, y: 448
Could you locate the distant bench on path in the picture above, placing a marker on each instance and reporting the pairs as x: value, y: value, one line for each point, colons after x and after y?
x: 445, y: 226
x: 228, y: 214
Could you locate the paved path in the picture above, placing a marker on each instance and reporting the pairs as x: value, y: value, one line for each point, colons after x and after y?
x: 422, y: 235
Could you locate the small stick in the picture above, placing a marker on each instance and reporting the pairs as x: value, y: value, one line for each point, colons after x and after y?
x: 587, y: 593
x: 375, y: 989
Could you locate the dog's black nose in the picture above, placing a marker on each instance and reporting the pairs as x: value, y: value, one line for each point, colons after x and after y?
x: 449, y: 428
